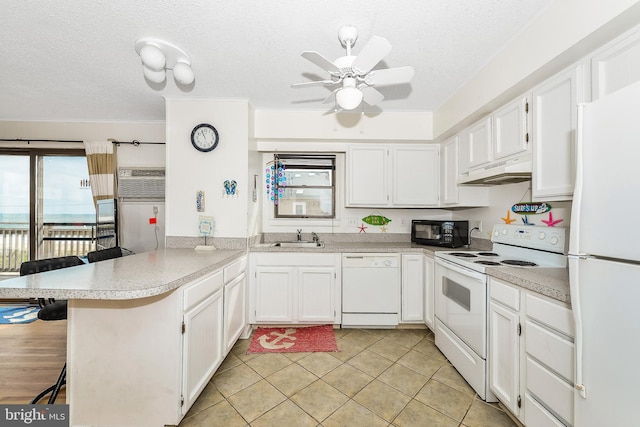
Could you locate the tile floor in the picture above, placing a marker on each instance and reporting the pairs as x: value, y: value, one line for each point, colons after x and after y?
x: 379, y: 378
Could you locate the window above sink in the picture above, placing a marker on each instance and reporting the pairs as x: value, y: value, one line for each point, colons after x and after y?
x: 308, y: 187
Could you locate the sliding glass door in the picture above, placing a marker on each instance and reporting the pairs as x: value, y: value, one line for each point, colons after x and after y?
x: 65, y: 215
x: 14, y: 211
x: 46, y: 206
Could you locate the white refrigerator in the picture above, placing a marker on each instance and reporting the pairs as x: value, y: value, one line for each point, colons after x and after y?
x: 604, y: 261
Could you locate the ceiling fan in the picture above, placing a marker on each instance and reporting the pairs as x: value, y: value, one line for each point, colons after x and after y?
x: 354, y: 75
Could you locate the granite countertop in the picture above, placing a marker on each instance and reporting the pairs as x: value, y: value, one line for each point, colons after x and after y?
x: 551, y: 282
x: 371, y: 247
x: 130, y: 277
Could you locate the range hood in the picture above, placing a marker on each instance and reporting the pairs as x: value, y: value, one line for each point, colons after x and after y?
x: 516, y: 169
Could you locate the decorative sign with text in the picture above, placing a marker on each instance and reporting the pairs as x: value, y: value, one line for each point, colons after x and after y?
x: 531, y: 208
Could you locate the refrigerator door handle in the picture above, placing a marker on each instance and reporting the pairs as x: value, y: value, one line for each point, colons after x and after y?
x: 576, y: 207
x: 574, y: 281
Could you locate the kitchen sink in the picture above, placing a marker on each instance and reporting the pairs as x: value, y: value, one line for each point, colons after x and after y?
x: 299, y: 244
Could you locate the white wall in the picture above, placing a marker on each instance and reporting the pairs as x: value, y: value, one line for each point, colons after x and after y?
x: 315, y: 125
x: 136, y: 233
x: 189, y: 170
x: 560, y: 36
x: 501, y: 198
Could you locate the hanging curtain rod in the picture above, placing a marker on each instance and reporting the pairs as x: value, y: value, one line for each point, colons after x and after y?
x: 135, y: 142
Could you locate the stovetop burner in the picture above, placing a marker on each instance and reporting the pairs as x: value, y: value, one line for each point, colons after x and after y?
x: 519, y: 263
x: 483, y: 262
x: 514, y: 246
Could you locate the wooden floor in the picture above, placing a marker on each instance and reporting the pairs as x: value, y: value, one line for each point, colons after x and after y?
x: 31, y: 357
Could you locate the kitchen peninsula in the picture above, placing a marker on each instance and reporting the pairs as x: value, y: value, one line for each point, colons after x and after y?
x: 135, y: 355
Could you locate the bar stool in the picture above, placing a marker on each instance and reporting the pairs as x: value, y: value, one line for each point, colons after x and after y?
x: 51, y: 310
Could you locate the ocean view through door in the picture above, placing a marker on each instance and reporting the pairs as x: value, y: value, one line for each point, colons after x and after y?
x: 46, y: 206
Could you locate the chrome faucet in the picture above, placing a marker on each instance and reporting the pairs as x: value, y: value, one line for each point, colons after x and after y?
x: 469, y: 236
x: 315, y: 237
x: 299, y: 234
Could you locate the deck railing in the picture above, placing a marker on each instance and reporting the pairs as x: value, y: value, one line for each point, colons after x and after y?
x: 55, y: 240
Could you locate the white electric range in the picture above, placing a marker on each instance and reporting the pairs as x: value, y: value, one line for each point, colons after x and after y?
x: 461, y: 297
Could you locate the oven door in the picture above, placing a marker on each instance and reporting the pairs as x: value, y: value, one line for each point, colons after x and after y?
x: 461, y: 303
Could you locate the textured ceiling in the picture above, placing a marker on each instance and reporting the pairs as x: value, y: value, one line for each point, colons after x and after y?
x: 74, y: 60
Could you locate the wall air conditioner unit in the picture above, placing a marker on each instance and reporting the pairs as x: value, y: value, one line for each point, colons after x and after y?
x: 141, y: 183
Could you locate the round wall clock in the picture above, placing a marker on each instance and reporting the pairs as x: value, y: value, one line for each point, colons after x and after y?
x: 204, y: 137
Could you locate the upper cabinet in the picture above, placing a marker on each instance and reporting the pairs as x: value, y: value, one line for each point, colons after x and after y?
x: 392, y: 175
x: 451, y: 194
x: 479, y: 144
x: 554, y: 131
x: 511, y: 133
x: 616, y: 65
x: 502, y: 135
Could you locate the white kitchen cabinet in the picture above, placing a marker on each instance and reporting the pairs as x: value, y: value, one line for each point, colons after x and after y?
x: 392, y: 175
x: 478, y: 143
x: 317, y: 295
x: 289, y: 288
x: 169, y: 345
x: 531, y: 354
x: 415, y: 175
x: 500, y: 136
x: 429, y: 292
x: 367, y: 175
x: 451, y: 193
x: 504, y: 363
x: 510, y: 129
x: 449, y: 171
x: 235, y: 310
x: 550, y: 356
x: 412, y: 288
x: 202, y: 349
x: 273, y: 294
x: 235, y: 303
x: 616, y: 65
x: 555, y: 109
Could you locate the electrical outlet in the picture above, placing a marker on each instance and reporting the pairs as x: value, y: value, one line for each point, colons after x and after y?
x: 473, y: 224
x: 353, y: 222
x: 403, y: 222
x: 155, y: 210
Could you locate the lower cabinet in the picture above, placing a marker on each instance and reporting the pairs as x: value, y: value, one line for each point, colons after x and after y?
x: 202, y: 344
x: 429, y: 293
x: 412, y: 288
x: 235, y: 303
x: 295, y: 288
x: 417, y: 289
x: 531, y: 355
x: 144, y: 361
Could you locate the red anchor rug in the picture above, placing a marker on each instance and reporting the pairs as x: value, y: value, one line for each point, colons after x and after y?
x: 293, y: 340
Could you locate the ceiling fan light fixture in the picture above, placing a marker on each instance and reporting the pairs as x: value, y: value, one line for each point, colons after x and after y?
x: 349, y: 98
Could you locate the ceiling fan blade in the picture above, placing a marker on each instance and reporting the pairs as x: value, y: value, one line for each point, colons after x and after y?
x: 372, y: 53
x: 370, y: 95
x: 331, y: 96
x: 389, y: 76
x: 316, y: 83
x: 320, y: 61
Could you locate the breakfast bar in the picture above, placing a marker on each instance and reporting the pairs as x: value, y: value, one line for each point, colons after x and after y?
x: 129, y: 360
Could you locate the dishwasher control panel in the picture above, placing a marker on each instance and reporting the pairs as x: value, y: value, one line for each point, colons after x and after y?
x: 360, y: 260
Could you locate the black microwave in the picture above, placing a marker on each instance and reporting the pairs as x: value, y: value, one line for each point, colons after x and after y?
x: 450, y: 234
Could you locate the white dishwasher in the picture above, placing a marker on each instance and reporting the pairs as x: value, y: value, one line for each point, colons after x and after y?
x: 370, y: 290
